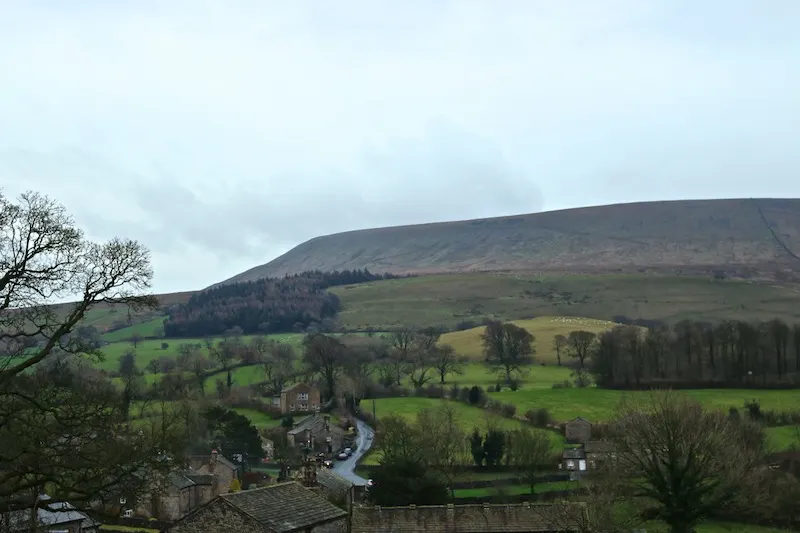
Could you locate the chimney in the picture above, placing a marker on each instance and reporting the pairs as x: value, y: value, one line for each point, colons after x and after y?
x: 213, y: 462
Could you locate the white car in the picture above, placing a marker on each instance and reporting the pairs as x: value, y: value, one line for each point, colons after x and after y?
x: 342, y: 456
x: 348, y: 451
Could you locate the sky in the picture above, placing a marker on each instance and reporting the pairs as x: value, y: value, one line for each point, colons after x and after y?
x: 223, y: 133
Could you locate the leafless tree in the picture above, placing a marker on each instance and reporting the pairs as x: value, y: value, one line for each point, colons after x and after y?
x: 580, y: 343
x: 278, y: 365
x: 61, y: 430
x: 324, y: 355
x: 687, y: 463
x: 508, y: 348
x: 559, y: 344
x: 447, y: 361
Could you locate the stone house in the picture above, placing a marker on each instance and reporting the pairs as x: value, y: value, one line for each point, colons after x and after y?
x: 282, y: 508
x: 481, y: 518
x: 597, y: 452
x: 299, y: 398
x: 335, y: 488
x: 578, y: 431
x: 573, y: 460
x: 319, y: 431
x: 222, y: 470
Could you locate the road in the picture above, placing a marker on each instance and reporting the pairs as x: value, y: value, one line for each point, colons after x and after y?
x: 346, y: 468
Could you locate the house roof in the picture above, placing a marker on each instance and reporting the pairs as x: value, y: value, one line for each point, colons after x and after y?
x: 316, y: 424
x: 333, y: 481
x: 579, y: 419
x: 516, y: 518
x: 598, y: 446
x: 221, y: 459
x: 48, y: 513
x: 573, y: 453
x: 180, y: 481
x: 297, y: 385
x: 201, y: 479
x: 284, y: 507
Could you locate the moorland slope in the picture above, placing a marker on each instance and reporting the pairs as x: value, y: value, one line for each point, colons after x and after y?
x: 750, y: 234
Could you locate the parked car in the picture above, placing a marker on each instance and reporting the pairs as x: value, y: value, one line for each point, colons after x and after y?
x: 348, y: 451
x: 327, y: 463
x: 342, y: 456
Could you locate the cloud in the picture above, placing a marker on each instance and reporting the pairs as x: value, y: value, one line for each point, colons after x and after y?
x: 223, y: 133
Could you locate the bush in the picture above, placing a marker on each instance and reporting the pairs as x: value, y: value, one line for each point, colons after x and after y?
x: 164, y: 346
x: 454, y: 391
x: 514, y: 385
x: 539, y: 417
x: 498, y: 388
x: 582, y: 378
x: 463, y: 394
x: 477, y: 396
x: 431, y: 391
x: 287, y: 422
x: 494, y: 406
x: 509, y: 410
x: 753, y: 409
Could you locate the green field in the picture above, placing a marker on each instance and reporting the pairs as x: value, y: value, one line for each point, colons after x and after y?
x: 544, y: 329
x: 450, y: 298
x: 153, y: 327
x: 783, y: 438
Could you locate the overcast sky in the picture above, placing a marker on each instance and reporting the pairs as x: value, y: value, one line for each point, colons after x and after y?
x: 222, y: 133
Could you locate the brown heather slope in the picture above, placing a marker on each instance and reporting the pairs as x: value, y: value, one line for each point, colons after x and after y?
x: 755, y: 234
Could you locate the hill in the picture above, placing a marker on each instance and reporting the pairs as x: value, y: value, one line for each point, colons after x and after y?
x: 749, y: 235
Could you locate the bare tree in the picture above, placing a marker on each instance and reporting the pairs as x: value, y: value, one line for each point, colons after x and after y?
x: 63, y: 431
x: 447, y: 361
x: 686, y: 462
x: 507, y: 348
x: 324, y: 355
x: 278, y: 365
x: 580, y: 343
x: 529, y: 451
x: 560, y: 344
x: 135, y: 340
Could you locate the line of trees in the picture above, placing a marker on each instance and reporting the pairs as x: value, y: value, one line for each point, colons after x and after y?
x: 292, y: 303
x: 691, y: 353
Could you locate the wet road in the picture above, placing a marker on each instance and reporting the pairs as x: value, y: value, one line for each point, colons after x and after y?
x: 364, y: 443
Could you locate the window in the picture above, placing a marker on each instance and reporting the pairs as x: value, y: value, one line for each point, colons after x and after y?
x: 570, y: 464
x: 291, y: 407
x: 304, y: 407
x: 302, y: 396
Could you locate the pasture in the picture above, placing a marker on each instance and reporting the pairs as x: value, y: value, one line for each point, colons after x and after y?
x: 448, y: 299
x: 544, y: 329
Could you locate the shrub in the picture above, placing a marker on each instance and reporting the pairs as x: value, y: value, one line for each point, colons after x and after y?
x: 431, y: 391
x: 582, y: 378
x: 466, y: 324
x: 287, y: 422
x: 164, y: 346
x: 494, y: 406
x: 477, y: 396
x: 753, y: 409
x: 733, y: 414
x: 514, y: 385
x: 498, y: 388
x: 539, y: 417
x: 509, y: 410
x: 454, y: 391
x: 463, y: 394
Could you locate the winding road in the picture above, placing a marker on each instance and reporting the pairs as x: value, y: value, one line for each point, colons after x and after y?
x: 346, y: 468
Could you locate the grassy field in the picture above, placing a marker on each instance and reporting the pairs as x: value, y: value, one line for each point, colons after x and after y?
x: 450, y: 298
x: 154, y: 327
x: 783, y: 438
x: 544, y: 329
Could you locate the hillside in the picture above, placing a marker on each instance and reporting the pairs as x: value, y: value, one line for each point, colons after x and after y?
x: 748, y: 234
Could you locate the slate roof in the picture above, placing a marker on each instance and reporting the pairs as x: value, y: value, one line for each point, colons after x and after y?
x: 579, y: 419
x: 284, y: 507
x: 316, y: 423
x: 598, y: 446
x: 573, y: 453
x: 516, y: 518
x: 296, y: 385
x: 180, y: 481
x: 333, y: 481
x: 48, y: 513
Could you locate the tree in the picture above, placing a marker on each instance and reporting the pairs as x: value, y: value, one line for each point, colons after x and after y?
x: 131, y: 379
x: 324, y: 355
x: 277, y: 361
x: 507, y: 348
x: 91, y: 451
x: 476, y: 447
x: 529, y: 451
x: 447, y: 361
x: 580, y: 343
x: 226, y: 352
x: 231, y: 433
x: 135, y: 340
x: 686, y: 462
x: 560, y: 343
x: 153, y: 366
x: 494, y: 447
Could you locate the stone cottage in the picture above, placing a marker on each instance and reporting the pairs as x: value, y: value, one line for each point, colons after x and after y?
x: 335, y: 488
x: 51, y: 517
x: 299, y: 398
x: 282, y: 508
x: 481, y: 518
x: 319, y: 431
x: 578, y: 431
x: 222, y: 471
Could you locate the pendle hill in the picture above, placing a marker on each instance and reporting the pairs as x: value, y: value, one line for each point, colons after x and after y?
x: 738, y: 235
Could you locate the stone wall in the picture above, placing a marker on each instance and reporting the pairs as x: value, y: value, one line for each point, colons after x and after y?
x: 337, y: 526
